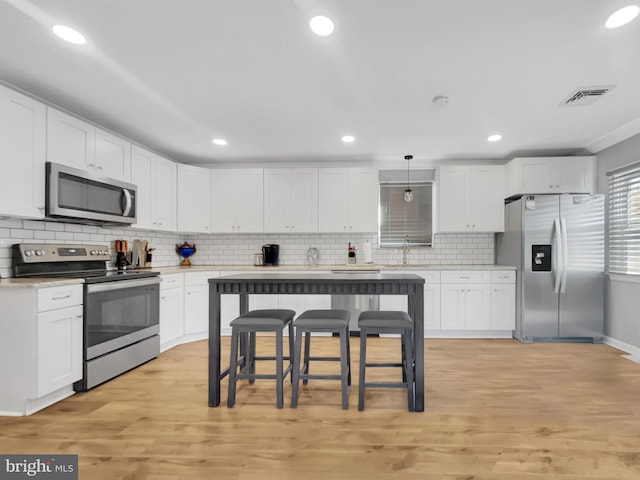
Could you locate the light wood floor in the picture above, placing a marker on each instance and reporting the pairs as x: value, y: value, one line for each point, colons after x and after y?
x: 496, y: 409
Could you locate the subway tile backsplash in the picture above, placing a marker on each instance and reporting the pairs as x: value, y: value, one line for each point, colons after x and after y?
x: 239, y: 249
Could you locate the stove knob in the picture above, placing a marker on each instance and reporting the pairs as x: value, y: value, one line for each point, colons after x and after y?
x: 93, y: 252
x: 39, y: 252
x: 28, y: 253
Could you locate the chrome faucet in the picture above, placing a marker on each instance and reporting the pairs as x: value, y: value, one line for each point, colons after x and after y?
x: 405, y: 250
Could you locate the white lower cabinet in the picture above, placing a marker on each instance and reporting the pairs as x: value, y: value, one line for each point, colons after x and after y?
x: 196, y: 309
x: 171, y: 309
x: 196, y: 302
x: 503, y: 300
x: 465, y: 300
x: 456, y: 303
x: 431, y: 300
x: 40, y: 346
x: 59, y: 347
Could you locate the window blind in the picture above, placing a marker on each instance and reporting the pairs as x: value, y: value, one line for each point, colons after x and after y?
x: 398, y: 217
x: 624, y: 220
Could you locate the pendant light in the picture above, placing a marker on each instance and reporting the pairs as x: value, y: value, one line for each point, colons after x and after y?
x: 408, y: 193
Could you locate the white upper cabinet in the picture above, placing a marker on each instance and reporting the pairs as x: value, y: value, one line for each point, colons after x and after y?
x: 236, y: 200
x: 155, y: 177
x: 113, y: 156
x: 291, y: 200
x: 471, y: 198
x: 551, y: 175
x: 22, y: 155
x: 193, y: 199
x: 70, y: 141
x: 76, y: 143
x: 347, y: 200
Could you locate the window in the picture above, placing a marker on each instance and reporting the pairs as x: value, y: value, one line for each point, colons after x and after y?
x: 624, y: 220
x: 398, y: 218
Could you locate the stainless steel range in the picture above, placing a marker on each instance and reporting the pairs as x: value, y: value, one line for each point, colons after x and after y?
x: 121, y: 307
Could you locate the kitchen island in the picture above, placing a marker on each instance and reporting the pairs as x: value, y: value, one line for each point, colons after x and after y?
x: 244, y: 285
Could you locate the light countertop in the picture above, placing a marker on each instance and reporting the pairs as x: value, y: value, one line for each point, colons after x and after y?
x: 52, y: 282
x: 302, y: 268
x: 38, y: 282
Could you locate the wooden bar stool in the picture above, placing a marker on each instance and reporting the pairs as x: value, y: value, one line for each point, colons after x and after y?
x: 274, y: 320
x: 332, y: 321
x: 387, y: 322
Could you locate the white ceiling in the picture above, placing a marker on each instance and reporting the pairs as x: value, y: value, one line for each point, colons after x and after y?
x: 172, y: 75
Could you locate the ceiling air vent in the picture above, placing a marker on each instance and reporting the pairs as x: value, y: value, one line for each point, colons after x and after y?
x: 585, y: 95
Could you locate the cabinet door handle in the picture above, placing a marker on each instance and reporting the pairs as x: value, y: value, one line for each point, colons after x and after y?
x: 61, y: 298
x: 79, y: 316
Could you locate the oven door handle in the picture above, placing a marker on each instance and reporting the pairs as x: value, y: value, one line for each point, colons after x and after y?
x: 121, y: 284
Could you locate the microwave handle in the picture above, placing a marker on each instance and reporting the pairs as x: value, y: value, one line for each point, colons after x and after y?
x: 127, y: 205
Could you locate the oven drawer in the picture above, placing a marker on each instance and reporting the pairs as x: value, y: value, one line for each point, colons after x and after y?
x: 52, y: 298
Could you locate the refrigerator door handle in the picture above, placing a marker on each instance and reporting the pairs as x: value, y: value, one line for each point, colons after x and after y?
x: 565, y: 255
x: 559, y: 264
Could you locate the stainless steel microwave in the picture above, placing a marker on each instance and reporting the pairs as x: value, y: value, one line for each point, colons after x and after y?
x: 82, y: 197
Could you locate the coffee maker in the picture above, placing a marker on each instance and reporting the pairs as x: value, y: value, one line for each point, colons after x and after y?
x: 270, y: 254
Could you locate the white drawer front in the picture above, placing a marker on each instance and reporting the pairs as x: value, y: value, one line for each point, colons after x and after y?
x: 59, y: 297
x: 466, y: 276
x: 430, y: 276
x: 171, y: 280
x: 199, y: 278
x: 503, y: 276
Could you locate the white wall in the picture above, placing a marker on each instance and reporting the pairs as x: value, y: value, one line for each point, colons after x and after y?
x: 622, y: 321
x: 236, y: 249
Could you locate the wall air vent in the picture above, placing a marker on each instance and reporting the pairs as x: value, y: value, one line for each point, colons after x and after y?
x: 583, y: 96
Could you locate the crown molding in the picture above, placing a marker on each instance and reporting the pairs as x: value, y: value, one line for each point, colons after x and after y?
x: 626, y: 131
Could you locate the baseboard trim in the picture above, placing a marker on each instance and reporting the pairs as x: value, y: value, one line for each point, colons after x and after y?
x: 468, y: 334
x: 625, y: 347
x: 192, y: 337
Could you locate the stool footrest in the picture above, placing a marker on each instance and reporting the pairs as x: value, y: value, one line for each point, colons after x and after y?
x: 270, y: 358
x: 383, y: 365
x: 264, y: 376
x: 385, y: 385
x: 325, y: 359
x: 318, y: 376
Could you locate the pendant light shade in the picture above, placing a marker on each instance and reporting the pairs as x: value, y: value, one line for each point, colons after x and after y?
x: 408, y: 193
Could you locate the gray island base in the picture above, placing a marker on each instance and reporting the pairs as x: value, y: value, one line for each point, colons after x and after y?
x: 309, y: 284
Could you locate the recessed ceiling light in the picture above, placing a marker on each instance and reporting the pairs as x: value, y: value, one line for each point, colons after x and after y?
x: 321, y: 26
x: 494, y: 138
x: 69, y: 34
x: 220, y: 141
x: 622, y: 16
x: 348, y: 139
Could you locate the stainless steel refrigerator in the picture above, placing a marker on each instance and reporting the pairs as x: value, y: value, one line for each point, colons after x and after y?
x: 557, y: 244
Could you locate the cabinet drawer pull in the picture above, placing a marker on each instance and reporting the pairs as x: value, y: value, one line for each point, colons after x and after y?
x: 465, y: 276
x: 68, y: 295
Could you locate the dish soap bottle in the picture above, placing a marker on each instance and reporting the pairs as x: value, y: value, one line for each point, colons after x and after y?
x: 351, y: 254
